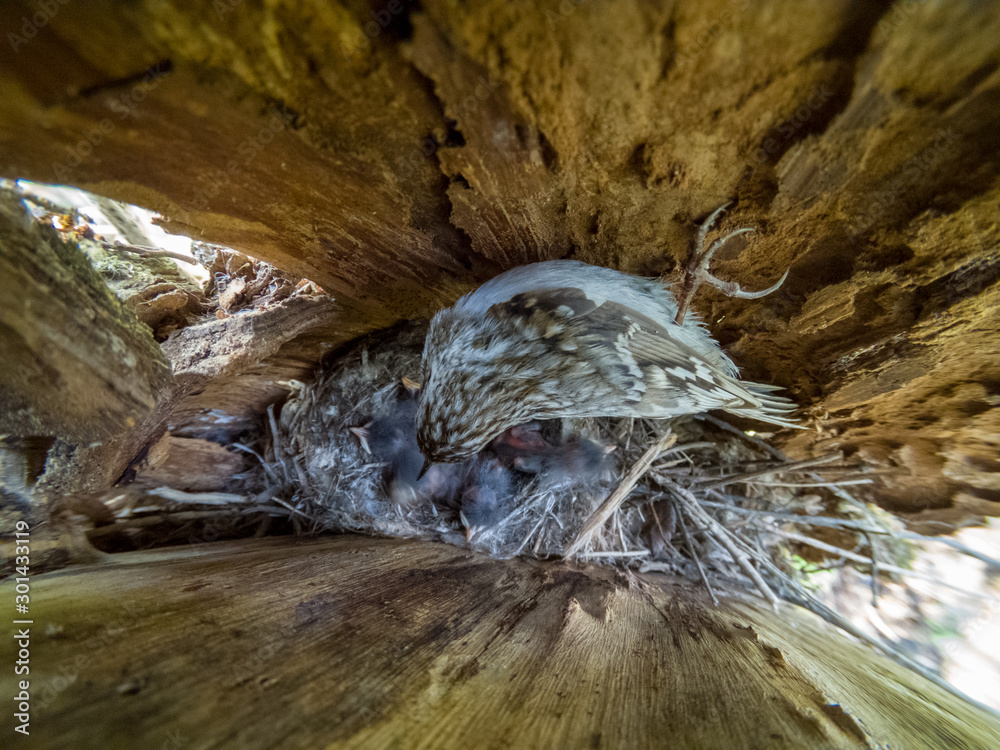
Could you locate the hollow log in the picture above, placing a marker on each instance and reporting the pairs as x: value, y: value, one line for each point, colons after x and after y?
x: 396, y: 155
x: 75, y: 363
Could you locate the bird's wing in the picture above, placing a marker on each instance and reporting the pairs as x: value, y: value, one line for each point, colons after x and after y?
x: 640, y: 355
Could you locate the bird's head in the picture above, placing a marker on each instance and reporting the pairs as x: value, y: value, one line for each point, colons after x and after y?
x: 476, y: 383
x: 487, y: 498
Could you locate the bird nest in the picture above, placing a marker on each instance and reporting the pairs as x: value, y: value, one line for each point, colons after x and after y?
x: 695, y: 496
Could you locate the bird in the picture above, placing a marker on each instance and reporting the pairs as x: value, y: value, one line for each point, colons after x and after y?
x: 487, y: 497
x: 480, y: 488
x: 565, y: 339
x: 523, y: 448
x: 392, y: 439
x: 519, y: 443
x: 442, y: 484
x: 576, y: 459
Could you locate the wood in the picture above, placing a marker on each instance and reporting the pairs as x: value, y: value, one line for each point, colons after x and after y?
x: 81, y: 374
x: 76, y: 364
x: 398, y: 157
x: 353, y: 642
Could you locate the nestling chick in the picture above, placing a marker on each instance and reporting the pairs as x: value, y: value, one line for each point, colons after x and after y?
x: 524, y: 448
x: 566, y: 339
x: 520, y: 441
x: 441, y: 484
x: 577, y: 458
x: 392, y: 439
x: 487, y: 496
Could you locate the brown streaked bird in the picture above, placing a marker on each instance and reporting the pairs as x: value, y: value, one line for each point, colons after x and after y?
x: 562, y: 339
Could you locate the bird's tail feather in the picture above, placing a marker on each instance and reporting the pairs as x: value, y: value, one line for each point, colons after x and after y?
x: 772, y: 409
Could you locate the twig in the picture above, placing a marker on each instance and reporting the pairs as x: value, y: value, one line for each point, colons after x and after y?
x: 868, y: 561
x: 600, y: 516
x: 724, y: 537
x: 691, y: 447
x: 285, y: 505
x: 263, y: 463
x: 803, y: 598
x: 965, y: 550
x: 775, y: 453
x: 198, y: 498
x: 844, y: 495
x: 790, y: 466
x: 755, y: 441
x: 530, y: 533
x: 276, y: 443
x: 148, y: 252
x: 612, y: 553
x: 153, y: 519
x: 830, y: 484
x: 874, y: 576
x: 797, y: 518
x: 696, y: 558
x: 275, y: 436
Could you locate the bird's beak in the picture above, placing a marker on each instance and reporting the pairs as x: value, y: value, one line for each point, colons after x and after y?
x: 423, y: 469
x: 361, y: 433
x: 470, y: 531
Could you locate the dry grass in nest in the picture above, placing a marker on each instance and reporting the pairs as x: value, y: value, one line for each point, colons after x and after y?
x: 696, y: 496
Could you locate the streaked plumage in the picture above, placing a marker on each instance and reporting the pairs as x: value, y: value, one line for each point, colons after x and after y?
x: 566, y: 339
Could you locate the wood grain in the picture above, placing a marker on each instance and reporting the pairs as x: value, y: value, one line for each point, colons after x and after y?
x: 354, y: 642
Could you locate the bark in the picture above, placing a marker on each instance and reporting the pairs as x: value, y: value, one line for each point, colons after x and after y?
x: 397, y: 158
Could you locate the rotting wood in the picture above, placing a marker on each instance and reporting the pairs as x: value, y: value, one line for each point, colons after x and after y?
x: 76, y: 364
x: 858, y: 139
